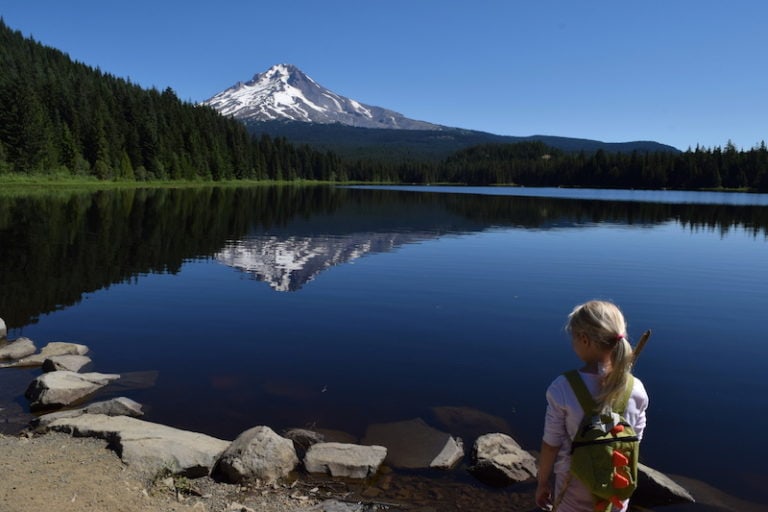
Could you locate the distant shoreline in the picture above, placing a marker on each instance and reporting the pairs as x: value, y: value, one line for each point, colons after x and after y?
x: 17, y: 184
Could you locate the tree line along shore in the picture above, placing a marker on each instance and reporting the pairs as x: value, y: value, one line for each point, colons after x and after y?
x: 62, y: 118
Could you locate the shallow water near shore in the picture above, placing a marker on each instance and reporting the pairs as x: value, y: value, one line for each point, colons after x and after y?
x: 339, y: 308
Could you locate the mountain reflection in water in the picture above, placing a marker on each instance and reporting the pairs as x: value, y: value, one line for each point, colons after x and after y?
x: 288, y: 263
x: 55, y: 248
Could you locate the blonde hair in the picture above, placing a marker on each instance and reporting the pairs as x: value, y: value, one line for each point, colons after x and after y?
x: 603, y: 323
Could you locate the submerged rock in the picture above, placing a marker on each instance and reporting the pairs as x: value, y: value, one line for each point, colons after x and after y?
x: 707, y: 496
x: 303, y: 439
x: 345, y: 460
x: 500, y: 461
x: 337, y: 436
x: 57, y: 389
x: 469, y: 422
x: 137, y: 380
x: 258, y: 453
x: 414, y: 444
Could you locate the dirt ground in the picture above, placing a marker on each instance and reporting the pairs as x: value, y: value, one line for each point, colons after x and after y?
x: 66, y: 474
x: 58, y: 472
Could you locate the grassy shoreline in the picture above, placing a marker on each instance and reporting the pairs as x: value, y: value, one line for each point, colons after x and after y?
x: 86, y: 182
x: 11, y: 185
x: 26, y: 183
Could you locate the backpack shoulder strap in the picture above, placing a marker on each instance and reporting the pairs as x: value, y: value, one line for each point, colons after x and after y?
x: 621, y: 405
x: 586, y: 401
x: 582, y: 393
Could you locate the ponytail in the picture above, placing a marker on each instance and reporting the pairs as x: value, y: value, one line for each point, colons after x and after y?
x: 603, y: 323
x: 614, y: 382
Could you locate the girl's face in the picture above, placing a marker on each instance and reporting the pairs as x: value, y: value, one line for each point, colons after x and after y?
x: 580, y: 344
x: 585, y: 349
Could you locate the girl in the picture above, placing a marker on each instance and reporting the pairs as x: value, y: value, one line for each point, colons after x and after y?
x: 599, y: 338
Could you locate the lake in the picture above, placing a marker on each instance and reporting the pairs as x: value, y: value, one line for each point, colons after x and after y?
x: 337, y: 308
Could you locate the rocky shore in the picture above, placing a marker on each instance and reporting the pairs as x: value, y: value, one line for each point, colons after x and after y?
x: 103, y: 456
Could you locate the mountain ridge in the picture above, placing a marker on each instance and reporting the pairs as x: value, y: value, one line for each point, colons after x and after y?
x: 364, y: 143
x: 285, y: 102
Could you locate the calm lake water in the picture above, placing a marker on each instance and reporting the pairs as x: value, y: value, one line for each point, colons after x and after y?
x: 337, y: 308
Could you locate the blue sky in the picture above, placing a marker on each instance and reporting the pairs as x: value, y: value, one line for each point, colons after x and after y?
x: 681, y: 72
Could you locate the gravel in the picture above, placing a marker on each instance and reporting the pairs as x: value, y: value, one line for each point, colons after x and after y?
x: 67, y: 474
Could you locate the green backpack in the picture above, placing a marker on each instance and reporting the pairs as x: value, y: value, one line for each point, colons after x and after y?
x: 605, y: 449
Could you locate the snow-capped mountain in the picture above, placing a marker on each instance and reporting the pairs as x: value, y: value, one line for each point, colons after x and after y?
x: 284, y: 92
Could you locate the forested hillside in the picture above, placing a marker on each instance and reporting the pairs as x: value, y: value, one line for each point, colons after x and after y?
x: 535, y: 164
x: 62, y: 117
x: 388, y: 145
x: 57, y: 115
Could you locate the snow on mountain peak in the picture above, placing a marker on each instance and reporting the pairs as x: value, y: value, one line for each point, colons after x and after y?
x: 279, y: 72
x: 284, y: 92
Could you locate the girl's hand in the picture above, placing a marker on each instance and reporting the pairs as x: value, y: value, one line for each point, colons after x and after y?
x: 544, y: 496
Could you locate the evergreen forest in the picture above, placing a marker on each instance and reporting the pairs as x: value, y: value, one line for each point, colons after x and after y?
x: 65, y: 118
x: 59, y: 116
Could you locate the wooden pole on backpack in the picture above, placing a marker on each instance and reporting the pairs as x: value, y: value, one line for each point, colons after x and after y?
x: 635, y: 353
x: 640, y: 345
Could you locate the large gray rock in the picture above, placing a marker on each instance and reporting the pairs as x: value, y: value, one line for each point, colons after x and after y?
x: 56, y: 389
x: 55, y: 348
x: 258, y: 453
x: 120, y: 406
x: 654, y: 488
x: 414, y: 444
x: 500, y: 461
x: 115, y: 407
x: 149, y: 447
x: 70, y: 363
x: 346, y: 460
x: 450, y: 455
x: 3, y: 329
x: 17, y: 349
